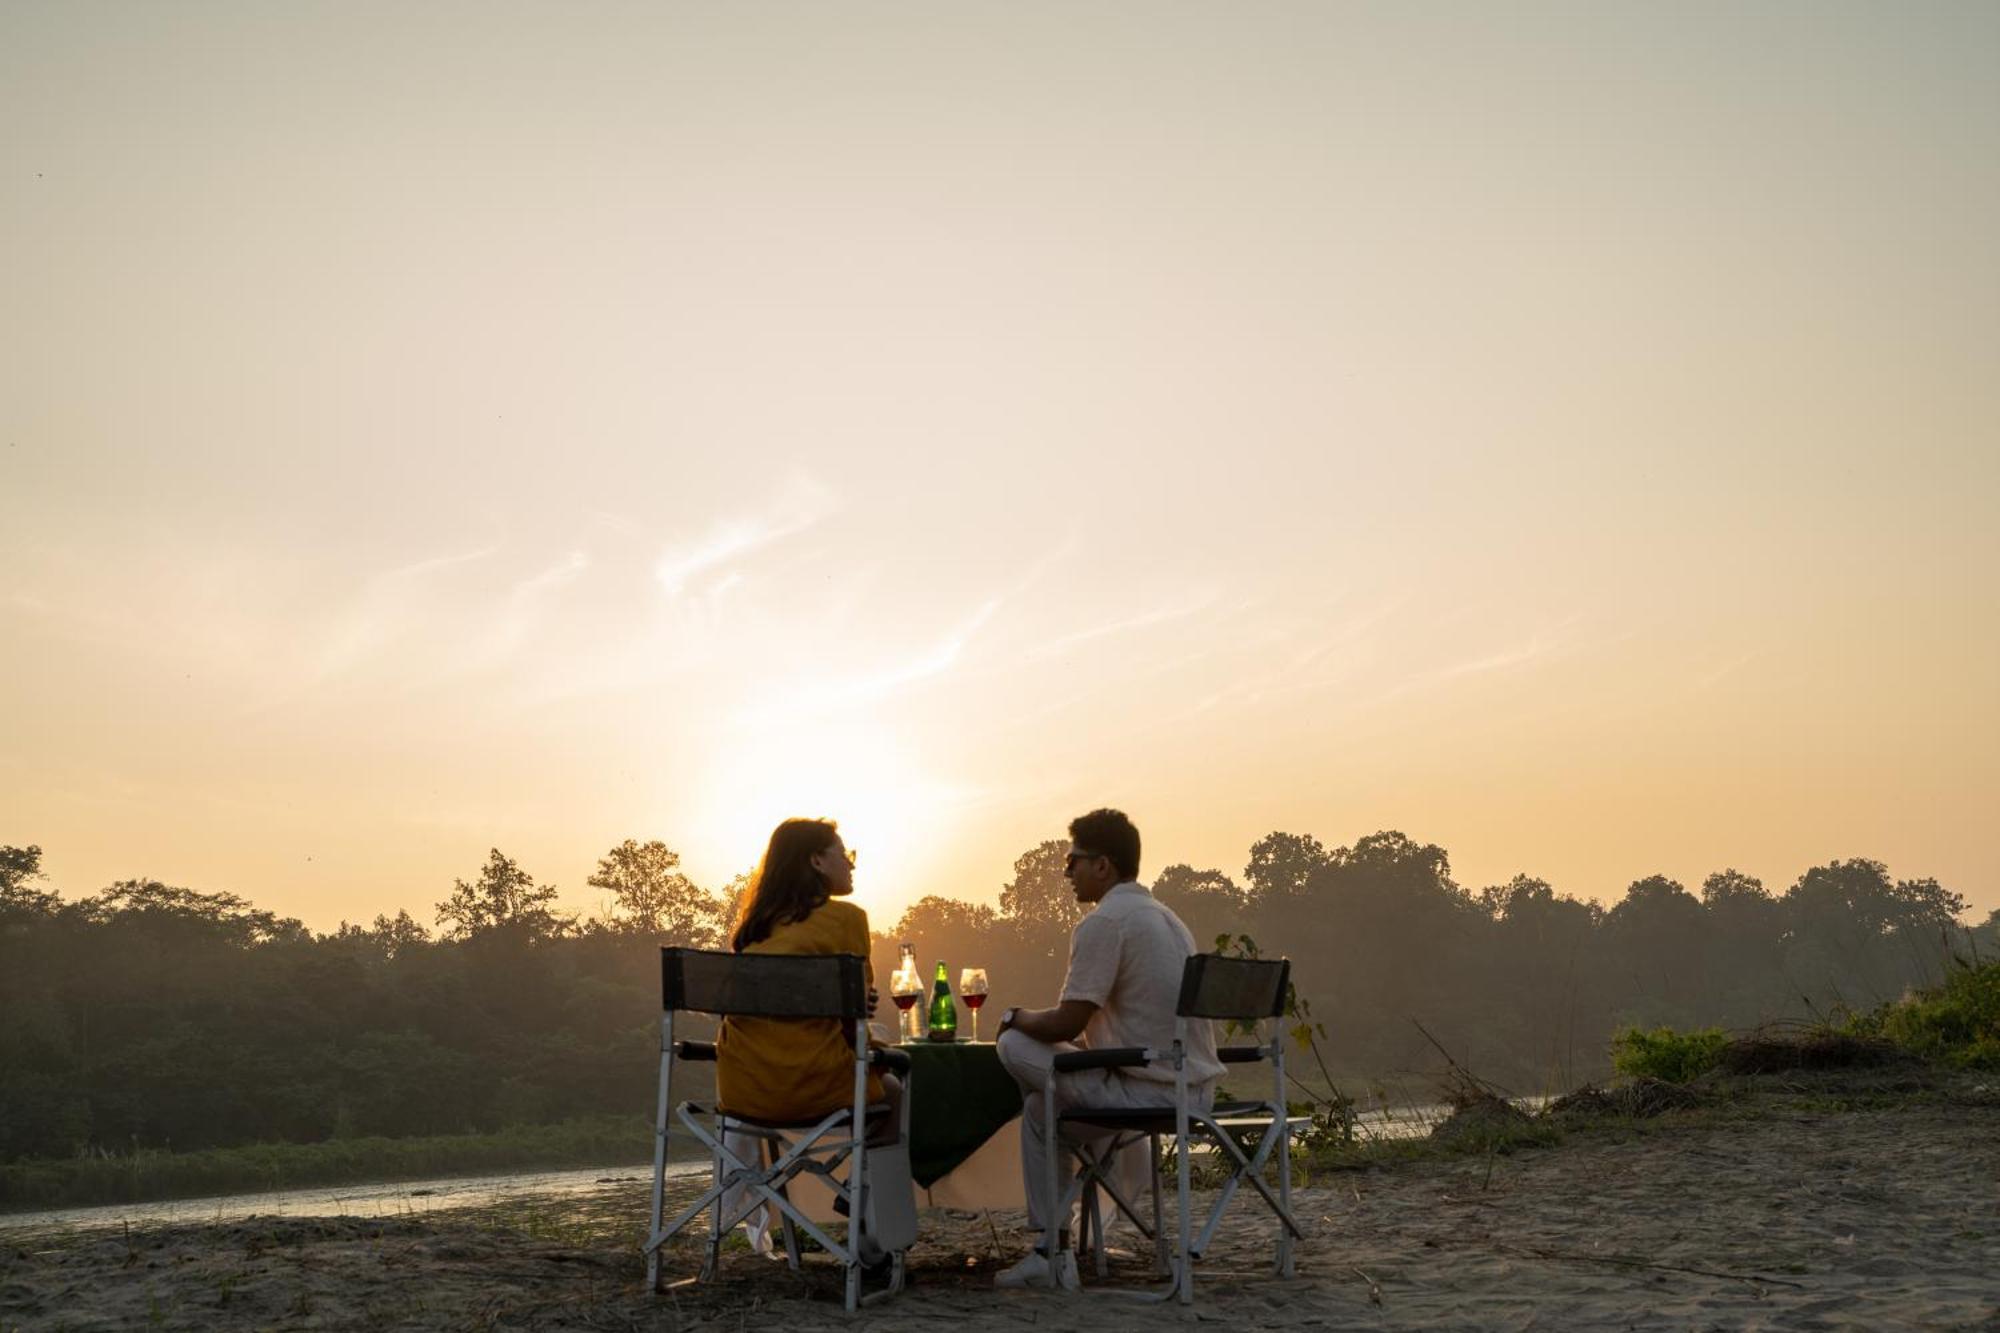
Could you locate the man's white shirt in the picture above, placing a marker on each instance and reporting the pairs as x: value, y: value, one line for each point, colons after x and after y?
x: 1126, y: 957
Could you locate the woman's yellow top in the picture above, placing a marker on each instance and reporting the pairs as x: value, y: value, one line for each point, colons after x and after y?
x: 795, y: 1068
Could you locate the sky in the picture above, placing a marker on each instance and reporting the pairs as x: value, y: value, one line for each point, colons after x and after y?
x: 1566, y: 434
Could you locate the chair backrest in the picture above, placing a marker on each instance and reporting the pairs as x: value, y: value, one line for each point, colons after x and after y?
x: 1246, y: 989
x: 764, y: 985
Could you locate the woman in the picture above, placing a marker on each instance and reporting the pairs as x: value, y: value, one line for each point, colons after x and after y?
x: 796, y: 1069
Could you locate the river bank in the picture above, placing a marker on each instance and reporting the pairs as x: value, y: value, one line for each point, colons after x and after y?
x: 149, y: 1176
x: 1800, y: 1211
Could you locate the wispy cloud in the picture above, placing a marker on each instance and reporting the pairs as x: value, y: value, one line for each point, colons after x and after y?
x: 800, y: 504
x: 1494, y: 661
x: 869, y: 687
x: 526, y: 607
x: 388, y: 604
x: 1201, y: 600
x: 1715, y: 676
x: 555, y: 576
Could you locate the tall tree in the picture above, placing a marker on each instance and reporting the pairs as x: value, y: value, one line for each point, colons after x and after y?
x: 650, y: 896
x: 1732, y: 886
x: 1039, y: 895
x: 1281, y: 864
x: 1658, y: 935
x: 504, y: 897
x: 399, y: 934
x: 20, y: 867
x: 1207, y: 902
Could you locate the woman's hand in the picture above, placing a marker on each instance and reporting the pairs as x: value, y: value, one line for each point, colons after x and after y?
x: 874, y: 999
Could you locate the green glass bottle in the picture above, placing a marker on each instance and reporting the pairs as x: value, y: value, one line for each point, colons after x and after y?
x: 944, y: 1013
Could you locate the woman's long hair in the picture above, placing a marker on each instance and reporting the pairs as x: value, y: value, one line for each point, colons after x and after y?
x: 786, y: 887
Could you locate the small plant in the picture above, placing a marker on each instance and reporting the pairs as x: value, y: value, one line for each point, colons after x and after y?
x: 1667, y: 1055
x: 1330, y: 1114
x: 1957, y: 1022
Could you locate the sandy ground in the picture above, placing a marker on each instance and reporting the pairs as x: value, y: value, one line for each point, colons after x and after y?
x: 1793, y: 1217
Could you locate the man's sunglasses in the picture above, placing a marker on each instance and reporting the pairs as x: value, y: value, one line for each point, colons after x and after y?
x: 1069, y: 862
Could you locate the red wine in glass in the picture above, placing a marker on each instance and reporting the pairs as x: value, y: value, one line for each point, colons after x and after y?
x: 905, y: 1001
x: 973, y: 1001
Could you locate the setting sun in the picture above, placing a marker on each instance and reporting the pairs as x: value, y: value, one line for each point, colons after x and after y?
x: 854, y: 773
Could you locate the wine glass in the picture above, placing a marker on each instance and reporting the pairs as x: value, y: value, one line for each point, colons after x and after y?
x: 904, y: 988
x: 972, y: 989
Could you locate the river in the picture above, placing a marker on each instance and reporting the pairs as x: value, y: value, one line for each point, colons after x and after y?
x: 404, y: 1198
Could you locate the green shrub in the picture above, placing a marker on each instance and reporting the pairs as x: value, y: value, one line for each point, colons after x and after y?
x: 1664, y: 1054
x: 1957, y: 1023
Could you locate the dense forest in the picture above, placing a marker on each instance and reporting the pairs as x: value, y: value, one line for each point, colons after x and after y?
x: 149, y: 1015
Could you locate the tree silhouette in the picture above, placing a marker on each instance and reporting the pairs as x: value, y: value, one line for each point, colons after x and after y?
x: 1281, y: 864
x: 399, y: 934
x: 1731, y: 887
x: 1207, y: 902
x: 651, y: 897
x: 159, y: 1015
x: 1039, y: 895
x: 504, y: 897
x: 19, y: 868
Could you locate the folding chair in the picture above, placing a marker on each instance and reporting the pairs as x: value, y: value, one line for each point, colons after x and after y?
x: 772, y: 986
x: 1246, y: 990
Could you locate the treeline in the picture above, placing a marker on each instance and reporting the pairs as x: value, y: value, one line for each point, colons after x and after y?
x: 153, y: 1016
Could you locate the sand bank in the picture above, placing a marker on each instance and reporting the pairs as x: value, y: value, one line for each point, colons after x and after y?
x: 1788, y: 1217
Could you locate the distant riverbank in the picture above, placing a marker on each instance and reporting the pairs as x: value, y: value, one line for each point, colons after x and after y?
x: 153, y: 1176
x: 148, y: 1175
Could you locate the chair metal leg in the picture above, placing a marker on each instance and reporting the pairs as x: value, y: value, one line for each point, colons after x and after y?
x: 713, y: 1259
x: 1057, y: 1197
x: 1094, y: 1221
x: 1282, y: 1126
x: 659, y: 1202
x: 1184, y: 1265
x: 1285, y: 1266
x: 1163, y: 1264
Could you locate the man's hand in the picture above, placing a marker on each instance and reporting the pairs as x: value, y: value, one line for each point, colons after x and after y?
x: 1065, y: 1022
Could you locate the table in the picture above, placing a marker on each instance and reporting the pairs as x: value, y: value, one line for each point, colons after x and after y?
x: 961, y: 1096
x: 965, y: 1147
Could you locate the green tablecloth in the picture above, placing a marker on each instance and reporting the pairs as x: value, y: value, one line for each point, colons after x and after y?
x: 960, y: 1095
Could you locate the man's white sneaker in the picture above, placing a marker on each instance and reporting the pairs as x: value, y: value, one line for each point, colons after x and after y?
x: 1036, y: 1271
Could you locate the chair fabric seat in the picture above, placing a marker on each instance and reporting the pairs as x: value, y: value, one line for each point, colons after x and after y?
x: 1148, y: 1119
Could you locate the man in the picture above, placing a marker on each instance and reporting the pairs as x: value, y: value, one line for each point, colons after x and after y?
x: 1123, y: 986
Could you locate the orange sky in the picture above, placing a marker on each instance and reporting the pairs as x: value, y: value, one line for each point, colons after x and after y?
x: 1568, y: 438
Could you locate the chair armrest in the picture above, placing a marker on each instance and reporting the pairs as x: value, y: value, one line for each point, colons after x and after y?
x: 1113, y: 1057
x: 888, y: 1057
x: 694, y: 1050
x: 1240, y: 1055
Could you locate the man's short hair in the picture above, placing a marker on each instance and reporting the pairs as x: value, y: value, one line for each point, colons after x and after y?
x: 1108, y: 833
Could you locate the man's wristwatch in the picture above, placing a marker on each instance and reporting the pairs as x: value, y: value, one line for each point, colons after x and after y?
x: 1007, y: 1019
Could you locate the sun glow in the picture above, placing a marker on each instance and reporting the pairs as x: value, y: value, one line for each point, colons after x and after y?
x: 891, y: 814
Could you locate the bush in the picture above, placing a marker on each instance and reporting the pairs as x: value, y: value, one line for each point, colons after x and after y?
x: 1957, y: 1023
x: 1664, y: 1054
